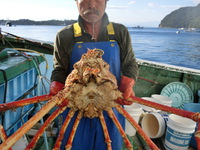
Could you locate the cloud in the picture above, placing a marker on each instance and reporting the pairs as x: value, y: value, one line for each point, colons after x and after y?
x: 168, y: 7
x: 171, y: 6
x: 151, y: 4
x: 131, y: 2
x: 117, y: 7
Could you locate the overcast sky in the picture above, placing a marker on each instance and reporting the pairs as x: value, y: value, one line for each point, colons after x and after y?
x: 128, y: 12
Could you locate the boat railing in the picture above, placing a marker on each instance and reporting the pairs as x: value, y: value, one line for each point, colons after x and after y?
x: 168, y: 67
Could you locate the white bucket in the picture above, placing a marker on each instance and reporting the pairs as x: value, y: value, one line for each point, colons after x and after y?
x: 179, y: 132
x: 162, y: 99
x: 135, y: 110
x: 147, y: 108
x: 154, y: 125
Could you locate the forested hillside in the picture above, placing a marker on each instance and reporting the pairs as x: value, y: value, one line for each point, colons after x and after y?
x: 185, y: 17
x: 31, y: 22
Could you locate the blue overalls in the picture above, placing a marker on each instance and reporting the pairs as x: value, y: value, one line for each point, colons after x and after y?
x: 89, y: 134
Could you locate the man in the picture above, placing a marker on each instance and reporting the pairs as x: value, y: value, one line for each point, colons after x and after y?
x: 94, y: 30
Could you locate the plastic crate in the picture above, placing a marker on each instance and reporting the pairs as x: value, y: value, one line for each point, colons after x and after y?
x: 19, y: 85
x: 16, y: 125
x: 16, y: 88
x: 2, y: 89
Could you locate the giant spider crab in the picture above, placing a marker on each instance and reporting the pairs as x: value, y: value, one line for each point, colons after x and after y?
x: 89, y: 89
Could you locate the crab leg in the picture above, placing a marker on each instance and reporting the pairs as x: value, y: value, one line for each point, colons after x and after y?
x: 121, y: 130
x: 137, y: 127
x: 105, y: 131
x: 72, y: 134
x: 20, y: 103
x: 191, y: 115
x: 3, y: 135
x: 63, y: 129
x: 31, y: 145
x: 29, y: 124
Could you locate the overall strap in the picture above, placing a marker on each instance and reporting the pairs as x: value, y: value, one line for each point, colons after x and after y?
x: 78, y: 32
x: 111, y: 32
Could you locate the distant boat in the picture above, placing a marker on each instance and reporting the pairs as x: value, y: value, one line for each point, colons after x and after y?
x: 138, y: 27
x: 8, y: 24
x: 192, y: 30
x: 181, y: 30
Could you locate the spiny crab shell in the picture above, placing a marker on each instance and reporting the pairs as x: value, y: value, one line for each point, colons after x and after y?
x: 91, y: 87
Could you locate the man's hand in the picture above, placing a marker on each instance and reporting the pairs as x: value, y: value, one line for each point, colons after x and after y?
x: 126, y: 87
x: 55, y: 87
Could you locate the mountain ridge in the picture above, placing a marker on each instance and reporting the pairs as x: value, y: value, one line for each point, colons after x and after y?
x: 32, y: 22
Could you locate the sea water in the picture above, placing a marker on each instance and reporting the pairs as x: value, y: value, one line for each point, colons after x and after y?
x: 164, y: 45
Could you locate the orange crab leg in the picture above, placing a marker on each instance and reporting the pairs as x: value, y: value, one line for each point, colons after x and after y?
x: 63, y: 129
x: 191, y: 115
x: 105, y: 131
x: 24, y: 102
x: 29, y: 124
x: 3, y: 135
x: 121, y: 130
x: 72, y: 134
x: 31, y: 145
x: 137, y: 127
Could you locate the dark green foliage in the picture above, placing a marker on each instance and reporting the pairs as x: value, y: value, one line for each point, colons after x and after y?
x: 31, y: 22
x: 185, y: 17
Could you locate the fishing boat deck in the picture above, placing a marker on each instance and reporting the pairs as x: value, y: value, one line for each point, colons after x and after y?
x: 13, y: 41
x: 153, y: 77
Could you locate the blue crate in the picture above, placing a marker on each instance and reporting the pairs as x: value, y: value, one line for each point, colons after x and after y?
x: 16, y: 87
x: 21, y: 84
x: 12, y: 129
x: 2, y: 89
x: 27, y: 107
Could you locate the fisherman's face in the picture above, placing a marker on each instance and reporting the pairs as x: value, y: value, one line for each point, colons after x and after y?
x: 91, y: 10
